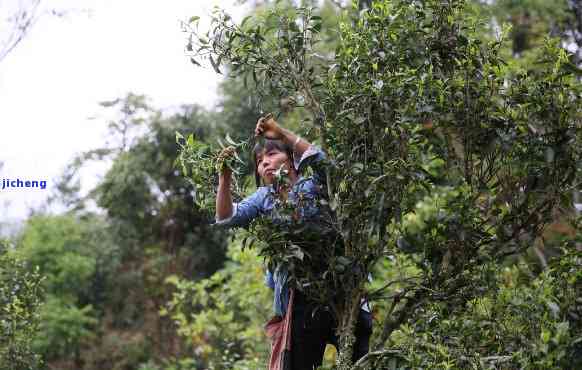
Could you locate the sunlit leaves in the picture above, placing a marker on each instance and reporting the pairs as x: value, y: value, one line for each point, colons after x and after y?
x: 20, y: 300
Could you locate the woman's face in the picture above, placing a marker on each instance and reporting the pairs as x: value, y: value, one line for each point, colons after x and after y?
x: 270, y: 161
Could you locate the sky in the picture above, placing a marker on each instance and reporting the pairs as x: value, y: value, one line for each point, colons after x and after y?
x: 51, y: 84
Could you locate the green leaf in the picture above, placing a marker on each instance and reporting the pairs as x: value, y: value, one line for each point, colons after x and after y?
x: 179, y: 137
x: 357, y: 168
x: 245, y: 19
x: 229, y: 140
x: 316, y: 27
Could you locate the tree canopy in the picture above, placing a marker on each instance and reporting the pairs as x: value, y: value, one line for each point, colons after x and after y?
x: 413, y: 106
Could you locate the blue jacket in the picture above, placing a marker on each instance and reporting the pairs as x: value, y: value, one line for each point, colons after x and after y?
x: 261, y: 203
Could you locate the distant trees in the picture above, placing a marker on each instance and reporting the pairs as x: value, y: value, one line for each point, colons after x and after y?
x: 105, y: 273
x: 73, y: 255
x: 531, y: 20
x: 150, y: 230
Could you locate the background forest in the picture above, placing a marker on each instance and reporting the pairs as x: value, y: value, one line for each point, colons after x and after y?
x: 133, y: 276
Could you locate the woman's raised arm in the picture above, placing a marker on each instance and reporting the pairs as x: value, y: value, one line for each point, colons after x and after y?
x: 224, y: 207
x: 231, y: 214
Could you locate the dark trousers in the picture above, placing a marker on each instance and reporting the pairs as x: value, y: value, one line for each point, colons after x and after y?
x: 312, y: 330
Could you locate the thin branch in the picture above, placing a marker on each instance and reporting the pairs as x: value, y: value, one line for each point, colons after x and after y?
x: 23, y: 20
x: 385, y: 286
x: 402, y: 315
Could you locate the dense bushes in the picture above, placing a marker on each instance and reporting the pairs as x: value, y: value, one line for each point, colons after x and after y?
x: 20, y: 301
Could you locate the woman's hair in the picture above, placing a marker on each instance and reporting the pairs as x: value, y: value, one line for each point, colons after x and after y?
x: 266, y: 146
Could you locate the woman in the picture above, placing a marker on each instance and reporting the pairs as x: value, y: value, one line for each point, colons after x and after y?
x: 312, y: 328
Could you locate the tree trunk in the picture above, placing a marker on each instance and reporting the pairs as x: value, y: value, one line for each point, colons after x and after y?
x: 576, y: 7
x: 347, y: 329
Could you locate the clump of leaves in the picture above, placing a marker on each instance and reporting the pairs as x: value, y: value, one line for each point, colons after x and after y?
x: 308, y: 248
x: 221, y: 317
x: 521, y: 324
x: 20, y: 300
x: 275, y: 49
x: 201, y: 162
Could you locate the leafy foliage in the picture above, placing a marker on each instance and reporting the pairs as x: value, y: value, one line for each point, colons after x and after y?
x: 200, y: 162
x: 416, y: 105
x: 61, y: 249
x: 220, y: 317
x: 20, y: 300
x: 106, y: 273
x: 273, y: 49
x: 518, y: 324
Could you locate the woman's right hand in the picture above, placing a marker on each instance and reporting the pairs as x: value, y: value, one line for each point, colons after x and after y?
x: 268, y: 128
x: 223, y: 197
x: 223, y: 158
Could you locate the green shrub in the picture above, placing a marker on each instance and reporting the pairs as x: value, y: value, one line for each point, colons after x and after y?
x: 20, y: 300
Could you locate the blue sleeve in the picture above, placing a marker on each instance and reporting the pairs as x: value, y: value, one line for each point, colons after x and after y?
x: 313, y: 157
x: 245, y: 211
x: 269, y: 280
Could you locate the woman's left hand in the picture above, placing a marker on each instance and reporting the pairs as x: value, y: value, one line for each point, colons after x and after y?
x: 268, y: 128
